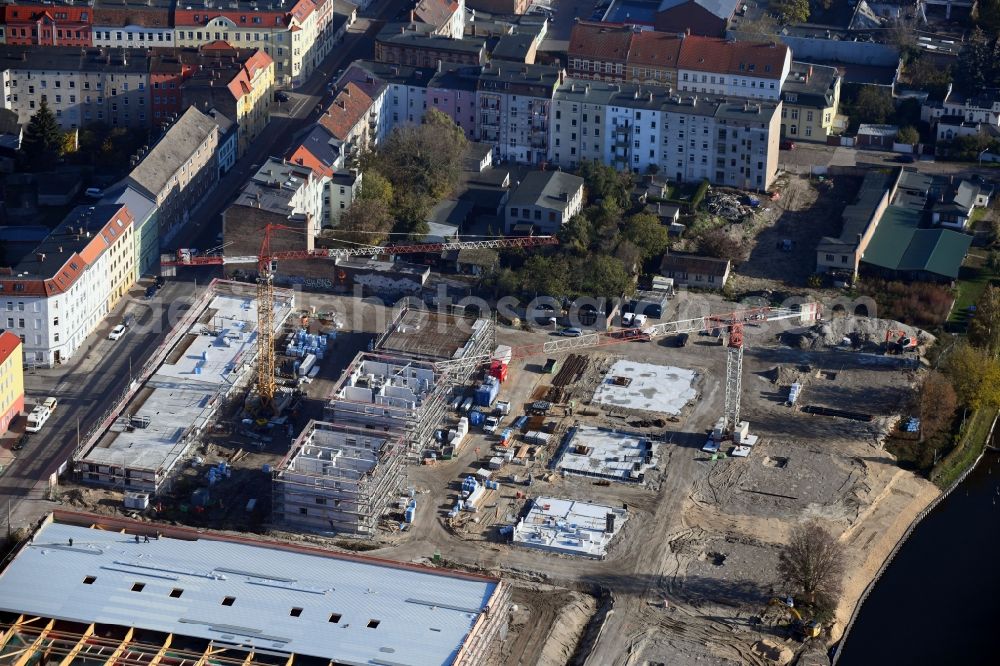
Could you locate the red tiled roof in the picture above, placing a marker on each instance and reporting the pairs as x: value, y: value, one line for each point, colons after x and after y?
x: 347, y: 108
x: 8, y: 345
x: 650, y: 48
x: 710, y: 54
x: 303, y: 157
x: 435, y: 12
x: 600, y: 41
x: 27, y: 13
x: 242, y: 83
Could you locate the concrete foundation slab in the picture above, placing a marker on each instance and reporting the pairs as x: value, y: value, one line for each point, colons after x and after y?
x: 654, y: 388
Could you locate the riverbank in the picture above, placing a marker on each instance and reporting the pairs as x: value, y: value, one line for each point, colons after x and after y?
x: 937, y: 593
x: 970, y: 446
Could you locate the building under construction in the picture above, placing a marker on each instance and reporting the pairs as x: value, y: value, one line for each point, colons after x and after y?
x: 86, y: 590
x: 206, y: 360
x: 337, y: 479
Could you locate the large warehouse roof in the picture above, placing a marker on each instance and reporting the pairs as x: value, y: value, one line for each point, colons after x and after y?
x: 262, y: 596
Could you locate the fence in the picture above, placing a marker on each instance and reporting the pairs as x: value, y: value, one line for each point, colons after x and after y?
x: 899, y: 544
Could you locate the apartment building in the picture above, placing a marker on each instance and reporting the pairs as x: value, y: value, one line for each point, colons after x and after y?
x: 238, y: 83
x: 685, y: 62
x: 418, y: 45
x: 180, y: 169
x: 447, y: 17
x: 352, y: 119
x: 810, y: 99
x: 281, y: 192
x: 512, y: 103
x: 11, y: 379
x: 599, y: 51
x: 48, y: 23
x: 688, y: 138
x: 453, y: 93
x: 287, y: 30
x: 133, y: 23
x: 724, y: 67
x: 145, y: 226
x: 318, y: 151
x: 546, y: 200
x: 80, y: 85
x: 405, y: 98
x: 54, y: 298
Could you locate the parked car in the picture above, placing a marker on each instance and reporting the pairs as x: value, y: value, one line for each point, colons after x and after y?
x: 21, y: 441
x: 159, y: 281
x: 117, y: 332
x: 150, y: 291
x: 37, y: 418
x: 571, y: 332
x: 94, y: 192
x: 50, y: 403
x: 787, y: 145
x: 280, y: 96
x: 906, y: 159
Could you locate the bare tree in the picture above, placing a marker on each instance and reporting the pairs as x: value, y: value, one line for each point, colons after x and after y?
x: 813, y: 564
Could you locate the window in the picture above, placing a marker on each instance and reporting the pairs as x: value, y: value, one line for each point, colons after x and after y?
x: 89, y: 580
x: 829, y: 257
x: 228, y: 601
x: 138, y: 587
x: 176, y: 593
x: 295, y: 612
x: 373, y: 624
x: 335, y: 617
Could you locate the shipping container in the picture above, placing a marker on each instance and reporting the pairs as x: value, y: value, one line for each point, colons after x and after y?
x: 487, y: 393
x: 466, y: 405
x: 476, y: 417
x: 504, y: 354
x: 499, y: 370
x: 307, y: 364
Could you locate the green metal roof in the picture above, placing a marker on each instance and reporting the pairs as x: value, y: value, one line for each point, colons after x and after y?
x: 899, y: 244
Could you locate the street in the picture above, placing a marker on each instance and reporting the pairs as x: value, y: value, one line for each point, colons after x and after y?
x: 90, y: 383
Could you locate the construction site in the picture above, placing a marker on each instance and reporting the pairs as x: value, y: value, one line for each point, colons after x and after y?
x: 594, y: 472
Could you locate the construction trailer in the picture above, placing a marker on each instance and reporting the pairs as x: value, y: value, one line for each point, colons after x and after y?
x: 337, y: 479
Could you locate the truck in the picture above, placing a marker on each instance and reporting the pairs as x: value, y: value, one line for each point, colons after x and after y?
x: 550, y: 366
x: 502, y: 408
x: 491, y: 424
x: 37, y: 418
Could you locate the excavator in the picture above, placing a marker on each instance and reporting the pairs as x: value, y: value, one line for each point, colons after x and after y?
x: 804, y: 629
x: 897, y: 342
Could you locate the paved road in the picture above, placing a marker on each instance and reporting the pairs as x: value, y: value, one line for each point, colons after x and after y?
x: 91, y: 383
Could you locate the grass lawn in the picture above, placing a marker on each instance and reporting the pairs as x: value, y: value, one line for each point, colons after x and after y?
x: 972, y: 280
x: 970, y: 445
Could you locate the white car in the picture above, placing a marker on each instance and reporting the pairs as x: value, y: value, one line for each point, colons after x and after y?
x: 117, y: 332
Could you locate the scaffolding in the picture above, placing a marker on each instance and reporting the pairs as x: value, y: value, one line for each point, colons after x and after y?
x: 337, y: 479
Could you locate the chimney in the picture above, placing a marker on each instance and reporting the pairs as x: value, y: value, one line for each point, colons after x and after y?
x: 41, y: 257
x: 413, y: 15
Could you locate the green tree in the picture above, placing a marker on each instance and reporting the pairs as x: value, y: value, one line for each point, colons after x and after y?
x: 993, y: 262
x: 545, y: 276
x: 908, y: 135
x: 601, y: 275
x: 42, y: 142
x: 976, y: 63
x: 873, y: 105
x: 575, y: 235
x: 988, y: 16
x: 424, y: 160
x: 984, y: 327
x: 975, y: 375
x: 925, y: 74
x: 604, y: 182
x: 367, y: 221
x: 791, y: 11
x: 648, y: 234
x: 376, y: 186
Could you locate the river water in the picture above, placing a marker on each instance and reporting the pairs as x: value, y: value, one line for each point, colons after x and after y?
x: 939, y: 600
